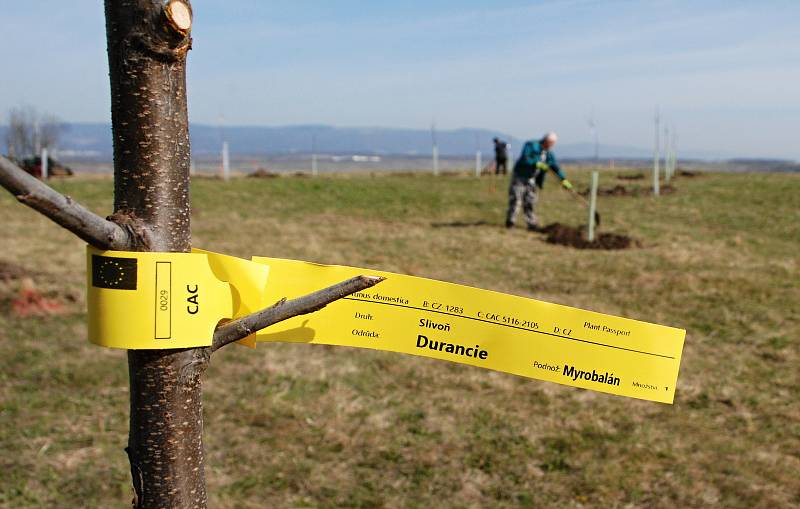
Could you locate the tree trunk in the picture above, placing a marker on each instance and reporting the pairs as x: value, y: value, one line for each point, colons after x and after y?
x: 147, y: 45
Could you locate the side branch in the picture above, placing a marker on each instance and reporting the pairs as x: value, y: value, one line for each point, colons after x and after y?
x: 285, y: 309
x: 62, y: 210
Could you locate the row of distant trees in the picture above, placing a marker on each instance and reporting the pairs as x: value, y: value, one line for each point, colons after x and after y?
x: 29, y: 131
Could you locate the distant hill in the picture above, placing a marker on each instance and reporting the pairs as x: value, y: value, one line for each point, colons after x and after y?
x: 93, y: 140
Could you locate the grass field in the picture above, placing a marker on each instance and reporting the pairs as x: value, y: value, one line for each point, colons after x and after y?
x: 315, y: 426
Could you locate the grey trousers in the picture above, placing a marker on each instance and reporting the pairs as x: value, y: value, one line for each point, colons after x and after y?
x: 522, y: 192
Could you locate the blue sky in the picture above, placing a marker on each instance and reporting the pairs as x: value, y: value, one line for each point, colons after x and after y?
x: 726, y: 74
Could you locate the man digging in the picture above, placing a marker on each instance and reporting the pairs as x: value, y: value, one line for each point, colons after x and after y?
x: 528, y: 178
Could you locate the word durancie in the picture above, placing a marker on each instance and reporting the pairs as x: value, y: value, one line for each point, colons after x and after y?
x: 176, y: 300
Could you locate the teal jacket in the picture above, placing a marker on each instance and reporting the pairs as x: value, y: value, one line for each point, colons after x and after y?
x: 527, y: 166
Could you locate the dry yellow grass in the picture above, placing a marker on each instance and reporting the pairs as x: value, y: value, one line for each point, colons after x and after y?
x: 302, y: 426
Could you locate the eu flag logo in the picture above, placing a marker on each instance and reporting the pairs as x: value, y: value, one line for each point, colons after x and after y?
x: 113, y: 273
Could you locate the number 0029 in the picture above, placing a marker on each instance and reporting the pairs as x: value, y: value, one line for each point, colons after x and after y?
x: 163, y: 300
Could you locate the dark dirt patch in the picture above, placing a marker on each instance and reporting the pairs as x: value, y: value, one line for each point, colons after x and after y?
x: 688, y: 173
x: 564, y: 235
x: 617, y: 190
x: 264, y: 174
x: 12, y: 272
x: 462, y: 224
x: 631, y: 176
x: 620, y: 190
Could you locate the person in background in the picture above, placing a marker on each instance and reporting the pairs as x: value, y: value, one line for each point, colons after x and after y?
x: 500, y: 157
x: 528, y: 178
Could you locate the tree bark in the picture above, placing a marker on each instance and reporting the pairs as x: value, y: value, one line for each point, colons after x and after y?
x: 147, y: 45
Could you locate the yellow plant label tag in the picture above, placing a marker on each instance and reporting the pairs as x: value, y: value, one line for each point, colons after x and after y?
x: 176, y: 300
x: 482, y: 328
x: 167, y: 300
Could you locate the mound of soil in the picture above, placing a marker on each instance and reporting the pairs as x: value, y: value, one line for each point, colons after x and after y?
x: 613, y: 191
x: 261, y: 173
x: 31, y: 302
x: 620, y: 190
x: 631, y: 176
x: 617, y: 190
x: 19, y: 294
x: 12, y: 272
x: 564, y: 235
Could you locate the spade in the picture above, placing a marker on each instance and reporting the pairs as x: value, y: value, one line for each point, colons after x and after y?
x: 586, y: 203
